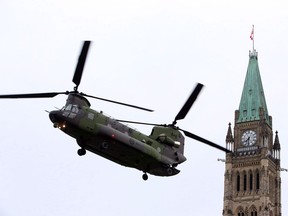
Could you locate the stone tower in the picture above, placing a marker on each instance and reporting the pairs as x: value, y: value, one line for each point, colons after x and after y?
x: 252, y: 185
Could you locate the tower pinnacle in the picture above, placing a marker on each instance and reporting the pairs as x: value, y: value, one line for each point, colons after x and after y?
x: 253, y: 104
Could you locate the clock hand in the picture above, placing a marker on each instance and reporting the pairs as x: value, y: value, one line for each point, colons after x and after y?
x: 247, y: 140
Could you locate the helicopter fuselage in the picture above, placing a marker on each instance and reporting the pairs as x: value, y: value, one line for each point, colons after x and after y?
x: 157, y: 154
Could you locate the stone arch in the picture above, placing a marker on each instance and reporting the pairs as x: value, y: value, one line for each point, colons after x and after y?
x: 240, y: 211
x: 253, y: 211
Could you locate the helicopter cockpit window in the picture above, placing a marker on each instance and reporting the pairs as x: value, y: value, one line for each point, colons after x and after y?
x: 70, y: 110
x: 75, y: 109
x: 68, y: 107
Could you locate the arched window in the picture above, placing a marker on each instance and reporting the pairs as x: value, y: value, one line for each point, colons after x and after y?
x: 250, y: 180
x: 240, y: 212
x: 253, y: 211
x: 244, y: 181
x: 257, y: 180
x: 238, y: 182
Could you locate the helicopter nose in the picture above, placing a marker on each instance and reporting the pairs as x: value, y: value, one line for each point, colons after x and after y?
x: 54, y: 116
x: 57, y: 119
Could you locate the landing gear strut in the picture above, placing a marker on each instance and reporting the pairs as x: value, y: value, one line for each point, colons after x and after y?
x: 81, y: 152
x: 144, y: 176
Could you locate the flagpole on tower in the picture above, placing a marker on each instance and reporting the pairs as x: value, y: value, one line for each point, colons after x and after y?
x: 252, y: 38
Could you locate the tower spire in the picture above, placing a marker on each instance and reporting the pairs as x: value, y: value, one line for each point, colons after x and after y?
x: 253, y: 104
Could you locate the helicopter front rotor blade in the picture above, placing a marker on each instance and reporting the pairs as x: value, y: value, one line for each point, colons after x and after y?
x: 200, y: 139
x: 117, y: 102
x: 32, y: 95
x: 80, y: 65
x: 188, y: 104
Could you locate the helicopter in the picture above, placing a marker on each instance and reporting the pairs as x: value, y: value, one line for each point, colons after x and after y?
x: 157, y: 154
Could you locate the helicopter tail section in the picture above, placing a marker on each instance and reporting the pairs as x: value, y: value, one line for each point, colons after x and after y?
x: 171, y: 143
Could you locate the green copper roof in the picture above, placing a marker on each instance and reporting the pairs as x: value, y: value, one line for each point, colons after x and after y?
x: 253, y: 96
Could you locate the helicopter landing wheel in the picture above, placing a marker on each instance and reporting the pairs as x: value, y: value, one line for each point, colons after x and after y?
x: 81, y: 152
x: 169, y: 171
x: 145, y: 177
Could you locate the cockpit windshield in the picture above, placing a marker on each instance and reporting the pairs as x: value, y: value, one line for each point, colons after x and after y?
x: 70, y: 110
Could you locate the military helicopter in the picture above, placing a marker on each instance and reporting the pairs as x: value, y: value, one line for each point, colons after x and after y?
x: 158, y: 153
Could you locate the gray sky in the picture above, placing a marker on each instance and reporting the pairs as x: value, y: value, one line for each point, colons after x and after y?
x: 149, y: 53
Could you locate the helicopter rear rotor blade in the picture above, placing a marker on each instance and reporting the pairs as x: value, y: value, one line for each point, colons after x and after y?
x: 80, y: 65
x: 200, y: 139
x: 141, y: 123
x: 117, y: 102
x: 188, y: 104
x: 32, y: 95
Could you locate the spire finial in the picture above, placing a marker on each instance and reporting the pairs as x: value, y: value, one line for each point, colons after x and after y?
x: 229, y: 136
x: 276, y: 142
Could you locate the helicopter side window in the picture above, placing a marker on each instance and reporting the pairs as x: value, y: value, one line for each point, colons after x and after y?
x: 91, y: 116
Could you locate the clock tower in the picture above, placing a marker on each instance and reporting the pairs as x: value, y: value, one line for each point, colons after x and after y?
x: 252, y: 185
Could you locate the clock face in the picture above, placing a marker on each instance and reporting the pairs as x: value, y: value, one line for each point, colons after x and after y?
x: 249, y: 138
